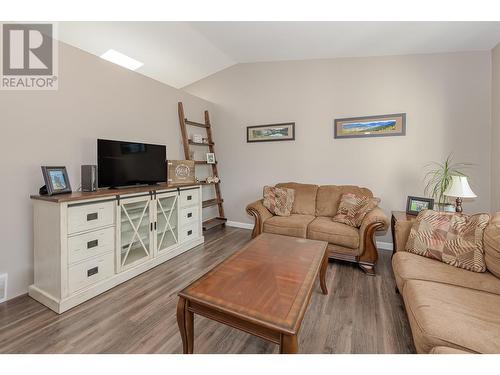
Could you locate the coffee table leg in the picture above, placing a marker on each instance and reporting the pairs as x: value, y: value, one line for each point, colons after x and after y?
x: 185, y: 320
x: 322, y: 274
x: 289, y: 344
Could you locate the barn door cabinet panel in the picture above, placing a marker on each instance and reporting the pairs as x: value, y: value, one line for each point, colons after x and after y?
x: 87, y: 243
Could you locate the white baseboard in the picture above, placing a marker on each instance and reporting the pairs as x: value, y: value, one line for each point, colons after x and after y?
x: 237, y: 224
x: 384, y: 245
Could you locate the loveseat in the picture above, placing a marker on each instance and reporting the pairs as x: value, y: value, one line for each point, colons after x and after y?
x: 450, y: 310
x: 311, y: 217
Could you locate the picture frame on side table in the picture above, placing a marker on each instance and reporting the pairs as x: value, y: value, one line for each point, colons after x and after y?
x: 56, y: 180
x: 416, y: 204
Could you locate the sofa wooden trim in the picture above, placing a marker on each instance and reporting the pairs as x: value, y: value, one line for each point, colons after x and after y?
x: 369, y: 257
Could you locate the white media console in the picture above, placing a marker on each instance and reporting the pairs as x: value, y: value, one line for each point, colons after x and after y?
x: 87, y: 243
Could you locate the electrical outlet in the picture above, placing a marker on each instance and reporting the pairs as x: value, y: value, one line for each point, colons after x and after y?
x: 3, y: 287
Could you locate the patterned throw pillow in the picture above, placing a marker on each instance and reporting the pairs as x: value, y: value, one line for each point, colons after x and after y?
x: 353, y: 209
x: 451, y: 238
x: 278, y: 201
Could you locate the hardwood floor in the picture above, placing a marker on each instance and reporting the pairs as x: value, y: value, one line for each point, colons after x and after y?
x: 361, y: 314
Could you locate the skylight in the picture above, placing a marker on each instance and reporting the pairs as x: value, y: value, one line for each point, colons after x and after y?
x: 121, y: 59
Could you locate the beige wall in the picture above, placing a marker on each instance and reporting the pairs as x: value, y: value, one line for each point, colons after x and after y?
x: 446, y: 98
x: 95, y: 99
x: 495, y: 129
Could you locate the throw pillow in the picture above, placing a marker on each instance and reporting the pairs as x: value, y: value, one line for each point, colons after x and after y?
x: 454, y: 239
x: 278, y: 201
x: 353, y: 209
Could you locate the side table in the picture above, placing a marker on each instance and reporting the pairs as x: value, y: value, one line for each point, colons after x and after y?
x: 397, y: 217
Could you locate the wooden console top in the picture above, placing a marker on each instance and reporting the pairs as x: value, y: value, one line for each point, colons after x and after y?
x: 83, y: 195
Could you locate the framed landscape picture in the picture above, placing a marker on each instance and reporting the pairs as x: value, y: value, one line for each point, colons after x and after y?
x: 371, y: 126
x: 271, y: 132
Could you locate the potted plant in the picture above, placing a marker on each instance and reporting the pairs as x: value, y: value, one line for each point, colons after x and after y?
x: 438, y: 178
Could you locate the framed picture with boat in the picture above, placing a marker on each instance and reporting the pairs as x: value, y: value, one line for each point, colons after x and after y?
x: 271, y: 132
x: 371, y: 126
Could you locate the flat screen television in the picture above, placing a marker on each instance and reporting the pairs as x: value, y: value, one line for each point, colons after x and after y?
x: 128, y: 163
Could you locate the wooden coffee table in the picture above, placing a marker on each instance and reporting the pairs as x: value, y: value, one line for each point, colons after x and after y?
x: 263, y: 289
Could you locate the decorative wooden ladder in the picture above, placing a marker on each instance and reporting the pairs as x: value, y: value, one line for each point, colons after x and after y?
x: 183, y: 121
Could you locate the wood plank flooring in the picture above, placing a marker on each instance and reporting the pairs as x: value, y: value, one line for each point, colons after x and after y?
x: 361, y: 314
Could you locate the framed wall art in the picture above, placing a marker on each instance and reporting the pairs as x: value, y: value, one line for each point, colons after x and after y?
x: 271, y: 132
x: 370, y: 126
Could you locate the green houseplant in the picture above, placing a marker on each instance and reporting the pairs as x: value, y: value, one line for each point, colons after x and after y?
x: 438, y: 178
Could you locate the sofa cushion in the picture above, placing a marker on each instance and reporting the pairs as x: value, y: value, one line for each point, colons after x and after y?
x: 451, y: 238
x: 492, y: 245
x: 408, y: 266
x: 278, y: 201
x: 328, y: 197
x: 353, y: 209
x: 305, y: 197
x: 447, y: 350
x: 324, y: 229
x: 293, y: 225
x: 448, y: 315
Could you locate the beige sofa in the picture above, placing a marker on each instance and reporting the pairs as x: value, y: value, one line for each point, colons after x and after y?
x: 451, y: 310
x: 311, y: 217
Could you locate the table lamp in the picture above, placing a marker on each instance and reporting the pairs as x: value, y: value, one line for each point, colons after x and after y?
x: 459, y: 188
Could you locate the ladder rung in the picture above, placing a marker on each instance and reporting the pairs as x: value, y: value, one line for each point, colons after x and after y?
x: 209, y: 183
x: 211, y: 202
x: 201, y: 143
x: 214, y: 222
x: 204, y: 162
x: 194, y: 123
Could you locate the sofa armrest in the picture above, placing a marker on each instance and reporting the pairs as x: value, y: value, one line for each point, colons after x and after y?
x: 401, y: 234
x: 375, y: 220
x: 260, y: 214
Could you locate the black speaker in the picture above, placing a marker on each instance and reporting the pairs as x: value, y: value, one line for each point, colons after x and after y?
x: 89, y: 177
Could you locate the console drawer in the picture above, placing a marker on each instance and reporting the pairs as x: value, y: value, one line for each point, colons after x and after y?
x: 90, y: 216
x: 189, y: 197
x: 189, y: 232
x: 88, y: 245
x: 90, y: 272
x: 189, y: 215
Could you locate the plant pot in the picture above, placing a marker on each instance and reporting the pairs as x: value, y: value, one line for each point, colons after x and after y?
x: 444, y: 207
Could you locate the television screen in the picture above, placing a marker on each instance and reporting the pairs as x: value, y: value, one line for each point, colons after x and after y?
x: 127, y: 163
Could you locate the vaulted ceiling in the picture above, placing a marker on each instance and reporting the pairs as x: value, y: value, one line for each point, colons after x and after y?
x: 180, y: 53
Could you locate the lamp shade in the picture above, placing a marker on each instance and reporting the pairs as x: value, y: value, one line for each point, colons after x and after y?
x: 459, y: 187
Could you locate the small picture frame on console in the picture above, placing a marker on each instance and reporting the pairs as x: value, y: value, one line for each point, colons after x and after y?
x: 56, y: 180
x: 416, y: 204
